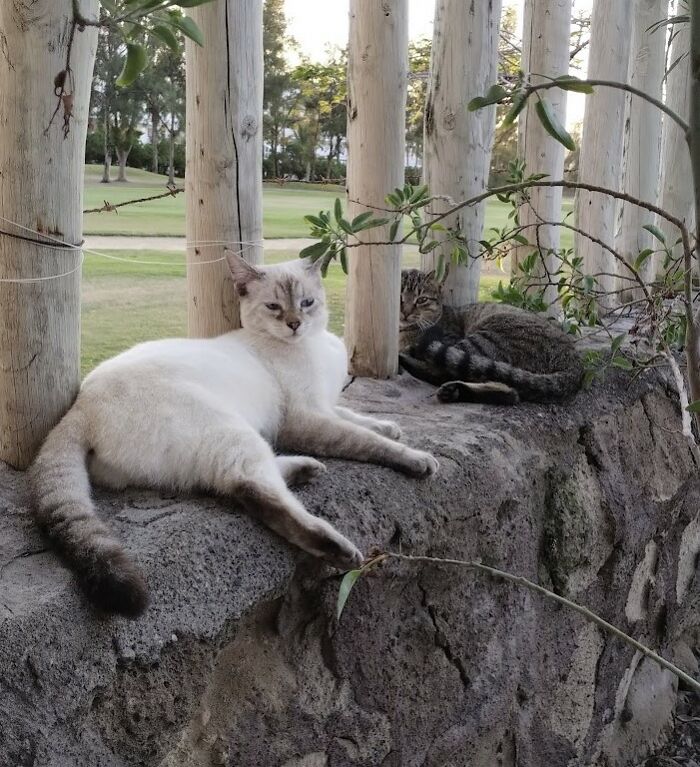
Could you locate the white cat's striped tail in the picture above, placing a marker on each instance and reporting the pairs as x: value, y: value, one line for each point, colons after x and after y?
x: 62, y: 506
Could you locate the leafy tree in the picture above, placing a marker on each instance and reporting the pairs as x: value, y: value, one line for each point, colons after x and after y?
x: 320, y: 114
x: 279, y: 97
x: 418, y: 73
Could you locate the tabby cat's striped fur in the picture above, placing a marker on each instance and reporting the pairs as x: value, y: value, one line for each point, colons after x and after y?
x: 485, y: 352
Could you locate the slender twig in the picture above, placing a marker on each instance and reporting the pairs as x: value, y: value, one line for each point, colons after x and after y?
x: 589, y: 615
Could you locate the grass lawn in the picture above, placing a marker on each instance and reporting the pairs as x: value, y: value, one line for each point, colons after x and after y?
x: 126, y: 302
x: 284, y: 208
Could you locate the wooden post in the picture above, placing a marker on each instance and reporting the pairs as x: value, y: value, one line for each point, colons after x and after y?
x: 676, y: 195
x: 601, y: 145
x: 224, y: 157
x: 642, y: 147
x: 546, y: 30
x: 41, y: 188
x: 457, y: 143
x: 377, y: 77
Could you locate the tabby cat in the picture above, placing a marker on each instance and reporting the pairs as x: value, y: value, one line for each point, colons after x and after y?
x: 206, y: 413
x: 485, y: 352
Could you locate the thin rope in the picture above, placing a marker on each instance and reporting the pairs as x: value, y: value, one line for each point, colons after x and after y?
x: 53, y: 243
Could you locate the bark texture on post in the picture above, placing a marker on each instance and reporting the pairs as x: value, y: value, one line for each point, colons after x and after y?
x: 41, y: 188
x: 457, y: 143
x: 601, y: 146
x: 223, y: 157
x: 377, y: 72
x: 546, y: 31
x: 677, y: 194
x: 642, y: 147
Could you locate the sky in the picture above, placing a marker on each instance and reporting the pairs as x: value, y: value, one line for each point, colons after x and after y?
x: 317, y: 23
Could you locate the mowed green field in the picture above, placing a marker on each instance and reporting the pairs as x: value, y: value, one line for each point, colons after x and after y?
x: 284, y: 207
x: 139, y: 295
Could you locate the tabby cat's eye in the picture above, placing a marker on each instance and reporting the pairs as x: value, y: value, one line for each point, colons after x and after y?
x: 422, y: 300
x: 273, y: 307
x: 306, y: 303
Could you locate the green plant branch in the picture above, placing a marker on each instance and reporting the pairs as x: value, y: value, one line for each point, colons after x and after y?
x: 618, y: 86
x: 519, y: 580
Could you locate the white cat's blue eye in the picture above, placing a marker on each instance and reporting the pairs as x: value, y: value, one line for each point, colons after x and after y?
x: 306, y: 303
x: 273, y: 307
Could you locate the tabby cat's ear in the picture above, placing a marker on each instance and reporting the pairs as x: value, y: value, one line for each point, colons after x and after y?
x: 242, y: 272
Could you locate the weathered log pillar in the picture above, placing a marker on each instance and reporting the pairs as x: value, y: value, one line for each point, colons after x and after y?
x: 42, y: 152
x: 377, y: 77
x: 224, y: 157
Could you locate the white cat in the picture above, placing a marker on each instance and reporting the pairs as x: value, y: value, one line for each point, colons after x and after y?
x: 205, y: 413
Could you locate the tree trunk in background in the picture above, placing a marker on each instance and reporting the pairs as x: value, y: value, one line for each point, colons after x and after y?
x: 676, y: 194
x: 122, y: 157
x: 642, y: 147
x: 457, y: 144
x: 171, y: 160
x: 40, y: 321
x: 377, y: 77
x: 546, y: 32
x: 155, y: 118
x: 107, y: 166
x: 601, y: 145
x: 224, y: 157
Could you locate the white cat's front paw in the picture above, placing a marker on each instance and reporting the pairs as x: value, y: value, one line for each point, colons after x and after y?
x: 327, y: 543
x: 388, y: 429
x: 421, y: 464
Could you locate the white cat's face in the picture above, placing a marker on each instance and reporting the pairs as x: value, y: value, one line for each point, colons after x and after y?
x: 286, y: 301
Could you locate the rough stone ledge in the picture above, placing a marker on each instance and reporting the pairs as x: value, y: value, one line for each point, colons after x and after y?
x: 239, y: 661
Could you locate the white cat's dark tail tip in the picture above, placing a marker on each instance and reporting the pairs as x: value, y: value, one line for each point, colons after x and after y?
x: 114, y: 584
x: 63, y: 509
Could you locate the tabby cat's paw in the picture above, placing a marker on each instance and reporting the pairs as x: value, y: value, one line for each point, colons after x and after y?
x: 421, y: 464
x: 388, y: 429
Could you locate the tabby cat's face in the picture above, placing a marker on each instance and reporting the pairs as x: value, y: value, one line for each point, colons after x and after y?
x: 421, y: 304
x: 286, y: 301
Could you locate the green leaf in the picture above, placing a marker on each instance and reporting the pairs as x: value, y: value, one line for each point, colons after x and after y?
x: 315, y: 221
x: 361, y: 219
x: 190, y: 3
x: 338, y: 211
x: 394, y: 229
x: 617, y: 343
x: 660, y: 236
x: 570, y: 83
x: 344, y: 260
x: 519, y: 101
x: 551, y: 124
x: 694, y: 407
x: 345, y: 226
x: 642, y: 257
x: 166, y: 36
x: 440, y: 268
x: 314, y: 251
x: 494, y: 94
x: 622, y: 362
x: 188, y: 28
x: 134, y: 63
x: 349, y: 580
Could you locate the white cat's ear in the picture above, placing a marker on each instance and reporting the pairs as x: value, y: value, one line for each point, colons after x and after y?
x: 311, y: 266
x: 242, y: 272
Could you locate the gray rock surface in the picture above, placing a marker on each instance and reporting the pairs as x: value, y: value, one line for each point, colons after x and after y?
x: 240, y: 662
